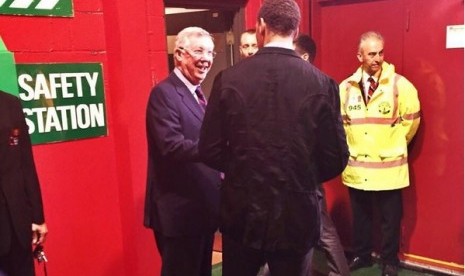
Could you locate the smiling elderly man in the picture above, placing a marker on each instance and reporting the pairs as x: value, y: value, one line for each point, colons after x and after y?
x: 182, y: 196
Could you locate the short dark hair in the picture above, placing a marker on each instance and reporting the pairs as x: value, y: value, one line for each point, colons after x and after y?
x: 305, y: 44
x: 281, y: 16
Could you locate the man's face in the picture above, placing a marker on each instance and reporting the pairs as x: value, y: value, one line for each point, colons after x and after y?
x: 196, y: 59
x: 371, y: 55
x: 248, y: 45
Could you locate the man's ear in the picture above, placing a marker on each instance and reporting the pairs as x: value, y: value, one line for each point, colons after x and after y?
x: 305, y: 56
x: 261, y: 27
x: 177, y: 54
x: 260, y: 31
x: 296, y: 34
x: 359, y: 57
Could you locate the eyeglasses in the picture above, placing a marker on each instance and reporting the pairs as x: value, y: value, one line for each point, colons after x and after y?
x: 198, y: 53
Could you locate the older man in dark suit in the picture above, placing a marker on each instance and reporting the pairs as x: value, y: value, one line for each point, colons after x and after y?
x: 182, y: 196
x: 21, y: 211
x: 273, y: 126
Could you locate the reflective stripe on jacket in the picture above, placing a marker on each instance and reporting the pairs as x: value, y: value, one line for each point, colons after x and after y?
x: 378, y: 132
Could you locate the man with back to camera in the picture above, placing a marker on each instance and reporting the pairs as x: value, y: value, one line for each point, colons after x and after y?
x: 271, y: 126
x: 182, y: 194
x: 21, y: 209
x: 381, y: 114
x: 248, y: 46
x: 329, y: 239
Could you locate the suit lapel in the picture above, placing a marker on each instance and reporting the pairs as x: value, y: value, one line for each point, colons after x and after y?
x: 187, y: 97
x: 6, y: 124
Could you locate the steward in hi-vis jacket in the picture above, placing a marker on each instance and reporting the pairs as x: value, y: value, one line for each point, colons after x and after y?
x: 381, y: 114
x: 379, y: 131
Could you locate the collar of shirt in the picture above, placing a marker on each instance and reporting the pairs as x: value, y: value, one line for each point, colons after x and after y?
x: 186, y: 82
x: 366, y: 83
x: 280, y: 44
x: 365, y: 78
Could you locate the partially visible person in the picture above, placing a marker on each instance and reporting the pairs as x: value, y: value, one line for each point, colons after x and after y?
x: 329, y: 239
x: 248, y: 46
x: 22, y: 222
x: 272, y: 128
x: 381, y: 114
x: 182, y: 194
x: 305, y: 46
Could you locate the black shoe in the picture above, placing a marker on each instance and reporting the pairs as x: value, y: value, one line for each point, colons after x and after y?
x: 359, y: 262
x: 389, y: 270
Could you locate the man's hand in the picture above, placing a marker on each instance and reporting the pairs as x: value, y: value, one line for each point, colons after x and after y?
x: 39, y: 232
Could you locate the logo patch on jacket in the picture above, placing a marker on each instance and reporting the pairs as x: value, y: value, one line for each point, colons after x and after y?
x: 384, y: 108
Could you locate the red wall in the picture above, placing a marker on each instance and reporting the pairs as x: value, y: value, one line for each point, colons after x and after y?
x: 432, y: 227
x: 93, y: 189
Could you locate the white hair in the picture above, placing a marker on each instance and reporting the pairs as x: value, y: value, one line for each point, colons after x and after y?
x: 183, y: 37
x: 369, y: 35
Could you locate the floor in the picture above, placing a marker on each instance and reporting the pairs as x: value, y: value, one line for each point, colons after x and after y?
x: 320, y: 268
x: 319, y: 265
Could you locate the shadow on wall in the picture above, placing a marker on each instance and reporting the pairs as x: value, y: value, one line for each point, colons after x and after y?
x: 436, y: 131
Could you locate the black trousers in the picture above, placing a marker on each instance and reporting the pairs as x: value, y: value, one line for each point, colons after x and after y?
x: 245, y: 261
x: 389, y: 204
x: 15, y: 260
x: 329, y: 240
x: 185, y: 255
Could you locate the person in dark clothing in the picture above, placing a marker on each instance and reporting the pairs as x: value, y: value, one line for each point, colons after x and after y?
x: 305, y: 46
x: 22, y: 219
x: 182, y: 194
x: 271, y: 126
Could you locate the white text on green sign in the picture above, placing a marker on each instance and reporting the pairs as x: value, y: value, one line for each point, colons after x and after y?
x: 62, y: 101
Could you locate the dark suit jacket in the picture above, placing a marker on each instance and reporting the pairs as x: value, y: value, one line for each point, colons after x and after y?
x: 20, y: 195
x: 273, y: 125
x: 182, y: 194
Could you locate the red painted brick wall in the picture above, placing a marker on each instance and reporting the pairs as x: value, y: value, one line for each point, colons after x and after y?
x: 93, y: 189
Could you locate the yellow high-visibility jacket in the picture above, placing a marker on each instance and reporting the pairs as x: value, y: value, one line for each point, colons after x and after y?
x: 378, y: 132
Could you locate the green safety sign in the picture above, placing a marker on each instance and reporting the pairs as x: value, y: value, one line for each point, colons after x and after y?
x: 63, y: 8
x: 62, y: 101
x: 7, y: 70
